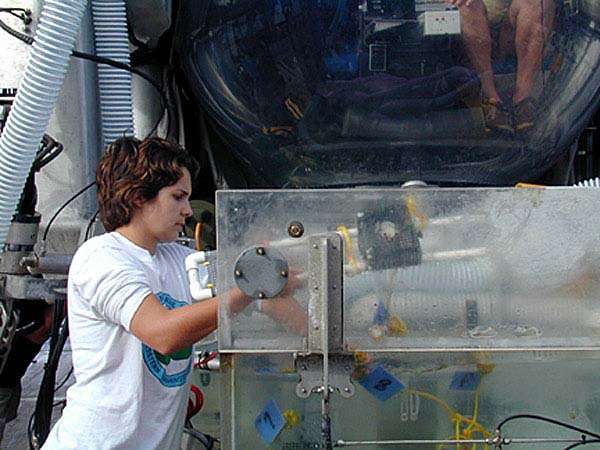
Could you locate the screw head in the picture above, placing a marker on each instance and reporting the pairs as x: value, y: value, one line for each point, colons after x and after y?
x: 295, y: 229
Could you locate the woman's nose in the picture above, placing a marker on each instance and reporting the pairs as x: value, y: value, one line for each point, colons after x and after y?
x: 187, y: 211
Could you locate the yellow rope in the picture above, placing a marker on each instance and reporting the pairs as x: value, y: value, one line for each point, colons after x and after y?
x: 458, y: 419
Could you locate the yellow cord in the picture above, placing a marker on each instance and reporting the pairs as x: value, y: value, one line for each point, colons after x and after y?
x: 458, y: 419
x: 413, y: 211
x: 349, y: 252
x: 529, y: 185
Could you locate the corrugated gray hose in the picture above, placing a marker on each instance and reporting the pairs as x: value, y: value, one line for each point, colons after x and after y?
x: 112, y: 41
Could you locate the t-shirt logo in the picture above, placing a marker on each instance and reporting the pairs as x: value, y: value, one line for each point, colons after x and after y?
x: 171, y: 370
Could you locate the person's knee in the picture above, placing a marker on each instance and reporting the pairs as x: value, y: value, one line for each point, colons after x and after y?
x: 474, y: 11
x: 536, y: 14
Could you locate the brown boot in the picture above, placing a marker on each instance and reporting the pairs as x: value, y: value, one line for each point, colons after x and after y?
x: 524, y: 114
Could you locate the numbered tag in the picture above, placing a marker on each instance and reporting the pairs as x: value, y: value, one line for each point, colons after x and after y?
x: 381, y: 314
x: 270, y: 422
x: 465, y: 381
x: 381, y: 384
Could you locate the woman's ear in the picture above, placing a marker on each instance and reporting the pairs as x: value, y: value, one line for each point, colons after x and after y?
x: 138, y: 200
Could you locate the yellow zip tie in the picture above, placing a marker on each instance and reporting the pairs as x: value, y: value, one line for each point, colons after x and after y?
x: 349, y: 252
x: 294, y: 109
x: 278, y: 131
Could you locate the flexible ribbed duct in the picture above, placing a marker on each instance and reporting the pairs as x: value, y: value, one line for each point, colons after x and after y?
x: 33, y: 105
x: 110, y: 31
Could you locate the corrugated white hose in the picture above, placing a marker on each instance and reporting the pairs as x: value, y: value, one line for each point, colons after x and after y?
x: 592, y: 182
x: 39, y: 88
x: 112, y: 41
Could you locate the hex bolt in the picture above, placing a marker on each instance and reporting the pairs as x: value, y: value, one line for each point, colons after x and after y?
x: 261, y: 294
x: 295, y: 229
x: 260, y: 251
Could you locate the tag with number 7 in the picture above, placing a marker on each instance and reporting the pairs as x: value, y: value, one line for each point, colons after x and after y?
x: 269, y: 422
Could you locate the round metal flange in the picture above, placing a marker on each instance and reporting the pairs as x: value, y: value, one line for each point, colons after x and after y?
x: 261, y: 272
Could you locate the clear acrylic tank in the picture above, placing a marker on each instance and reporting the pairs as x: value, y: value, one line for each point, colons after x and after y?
x: 456, y: 309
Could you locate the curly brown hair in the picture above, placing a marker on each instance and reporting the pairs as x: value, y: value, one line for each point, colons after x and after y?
x: 131, y: 168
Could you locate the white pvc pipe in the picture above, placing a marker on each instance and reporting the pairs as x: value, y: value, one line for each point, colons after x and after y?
x: 192, y: 267
x: 37, y: 94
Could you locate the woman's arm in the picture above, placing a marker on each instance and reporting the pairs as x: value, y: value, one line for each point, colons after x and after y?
x: 170, y: 330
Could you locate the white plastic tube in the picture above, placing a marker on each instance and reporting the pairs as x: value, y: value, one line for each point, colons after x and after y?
x: 38, y: 91
x: 110, y: 35
x: 192, y: 267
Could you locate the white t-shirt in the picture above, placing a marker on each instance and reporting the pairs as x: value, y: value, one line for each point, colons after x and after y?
x: 126, y: 396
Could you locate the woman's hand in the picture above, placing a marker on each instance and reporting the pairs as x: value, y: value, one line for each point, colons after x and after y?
x: 285, y: 309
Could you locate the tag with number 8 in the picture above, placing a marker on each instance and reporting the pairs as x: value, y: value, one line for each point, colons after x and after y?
x: 381, y: 384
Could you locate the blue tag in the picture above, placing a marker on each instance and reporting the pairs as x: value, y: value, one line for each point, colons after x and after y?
x: 465, y: 381
x: 381, y: 315
x: 381, y: 384
x: 270, y: 422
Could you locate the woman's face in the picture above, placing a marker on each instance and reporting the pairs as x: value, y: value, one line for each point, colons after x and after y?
x: 164, y: 216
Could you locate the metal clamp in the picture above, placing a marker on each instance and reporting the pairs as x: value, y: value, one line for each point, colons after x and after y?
x: 310, y: 369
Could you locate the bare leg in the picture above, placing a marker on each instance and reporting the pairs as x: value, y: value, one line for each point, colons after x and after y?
x: 533, y: 21
x: 478, y: 42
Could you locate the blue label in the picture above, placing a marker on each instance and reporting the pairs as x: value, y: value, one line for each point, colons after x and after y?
x: 381, y: 315
x: 270, y: 422
x: 381, y: 384
x: 465, y: 381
